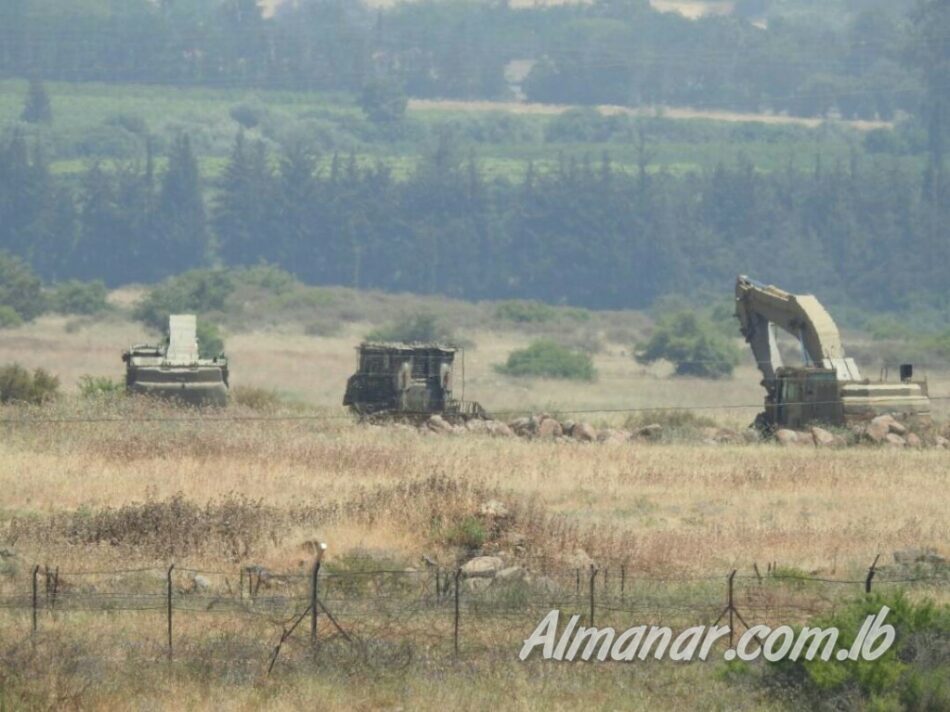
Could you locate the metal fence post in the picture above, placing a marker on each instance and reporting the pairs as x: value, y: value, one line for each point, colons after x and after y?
x: 871, y: 572
x: 623, y: 581
x: 593, y: 583
x: 455, y: 634
x: 171, y: 650
x: 730, y: 604
x: 313, y: 601
x: 36, y: 575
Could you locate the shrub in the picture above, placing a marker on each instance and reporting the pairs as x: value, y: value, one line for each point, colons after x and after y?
x: 269, y: 278
x: 694, y: 346
x: 525, y: 312
x: 914, y: 674
x: 417, y: 328
x: 99, y: 386
x: 18, y: 385
x: 547, y: 358
x: 75, y: 297
x: 469, y: 533
x: 8, y: 317
x: 20, y: 288
x: 210, y: 341
x: 196, y: 291
x: 249, y: 114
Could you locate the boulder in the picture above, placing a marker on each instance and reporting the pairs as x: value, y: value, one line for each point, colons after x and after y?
x: 522, y: 426
x: 894, y: 440
x: 438, y: 424
x: 549, y: 428
x: 585, y: 432
x: 476, y: 425
x: 786, y: 437
x: 823, y: 438
x: 499, y: 429
x: 610, y: 436
x: 913, y: 440
x: 878, y: 429
x: 567, y: 427
x: 482, y: 567
x: 651, y: 432
x: 942, y: 443
x: 476, y: 585
x: 200, y: 584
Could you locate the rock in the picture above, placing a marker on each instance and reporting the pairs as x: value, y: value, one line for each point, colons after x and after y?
x: 511, y: 574
x: 878, y: 429
x: 200, y: 584
x: 786, y: 437
x: 942, y: 443
x: 913, y: 440
x: 477, y: 585
x: 585, y: 432
x: 894, y: 440
x: 476, y: 425
x: 651, y: 432
x: 438, y: 424
x: 499, y: 429
x: 613, y: 437
x: 522, y: 426
x: 494, y: 509
x: 482, y: 567
x: 549, y: 429
x: 567, y: 427
x: 823, y: 438
x: 751, y: 435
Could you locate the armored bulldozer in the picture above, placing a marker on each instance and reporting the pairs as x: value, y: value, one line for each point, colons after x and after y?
x: 174, y: 369
x: 828, y: 387
x: 406, y: 382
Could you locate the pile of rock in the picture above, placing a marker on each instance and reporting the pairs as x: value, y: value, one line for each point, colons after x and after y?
x: 884, y: 430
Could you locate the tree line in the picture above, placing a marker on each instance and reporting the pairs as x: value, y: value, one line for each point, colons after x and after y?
x: 867, y: 232
x: 607, y: 51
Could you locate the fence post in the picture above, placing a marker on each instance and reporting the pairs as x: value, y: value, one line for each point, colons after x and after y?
x: 623, y: 581
x: 313, y: 601
x: 577, y: 582
x: 36, y: 575
x: 871, y: 572
x: 438, y: 583
x: 731, y: 606
x: 593, y: 582
x: 171, y: 650
x: 455, y: 634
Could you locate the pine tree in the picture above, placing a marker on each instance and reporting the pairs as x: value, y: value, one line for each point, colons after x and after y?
x: 182, y: 239
x: 37, y: 108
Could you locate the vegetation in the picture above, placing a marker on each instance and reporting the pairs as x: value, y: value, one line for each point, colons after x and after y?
x: 693, y: 345
x: 99, y: 387
x: 75, y: 297
x: 914, y: 674
x: 18, y: 385
x: 20, y: 289
x: 196, y: 291
x: 416, y: 328
x: 550, y: 360
x: 37, y: 109
x: 210, y: 341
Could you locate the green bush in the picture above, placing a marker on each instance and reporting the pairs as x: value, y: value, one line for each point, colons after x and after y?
x: 469, y: 533
x: 75, y: 297
x: 99, y: 387
x: 194, y: 292
x: 417, y: 328
x: 914, y: 674
x: 210, y: 341
x: 20, y: 288
x: 693, y: 344
x: 18, y: 385
x: 525, y: 312
x: 551, y: 360
x: 8, y: 317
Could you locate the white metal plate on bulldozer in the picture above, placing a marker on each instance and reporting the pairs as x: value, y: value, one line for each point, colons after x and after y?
x: 182, y: 340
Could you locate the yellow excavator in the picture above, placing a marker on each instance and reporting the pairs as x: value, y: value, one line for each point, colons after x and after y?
x: 827, y: 388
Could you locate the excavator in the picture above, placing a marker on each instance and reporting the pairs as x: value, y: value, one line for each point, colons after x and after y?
x: 828, y: 387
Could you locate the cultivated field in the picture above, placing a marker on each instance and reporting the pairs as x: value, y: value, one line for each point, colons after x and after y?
x: 213, y: 494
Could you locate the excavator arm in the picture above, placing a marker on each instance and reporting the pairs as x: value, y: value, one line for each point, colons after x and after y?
x: 762, y: 308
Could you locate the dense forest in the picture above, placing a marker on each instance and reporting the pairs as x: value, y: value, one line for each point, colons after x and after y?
x: 586, y: 234
x: 609, y: 51
x: 869, y: 230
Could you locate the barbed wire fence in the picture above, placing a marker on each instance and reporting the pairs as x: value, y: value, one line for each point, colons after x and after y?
x: 387, y: 617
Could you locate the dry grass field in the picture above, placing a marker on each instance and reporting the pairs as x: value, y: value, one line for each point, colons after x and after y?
x: 226, y: 493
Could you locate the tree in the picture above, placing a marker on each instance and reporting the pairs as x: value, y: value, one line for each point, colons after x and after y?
x: 242, y: 210
x: 20, y: 288
x: 383, y: 101
x: 693, y: 345
x: 37, y: 109
x: 182, y: 239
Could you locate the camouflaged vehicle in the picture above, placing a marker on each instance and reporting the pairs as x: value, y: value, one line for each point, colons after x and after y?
x: 174, y: 369
x: 407, y: 381
x: 828, y: 387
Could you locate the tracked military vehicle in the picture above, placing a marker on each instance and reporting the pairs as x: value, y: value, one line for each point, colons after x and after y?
x: 174, y: 369
x: 828, y: 387
x: 406, y: 382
